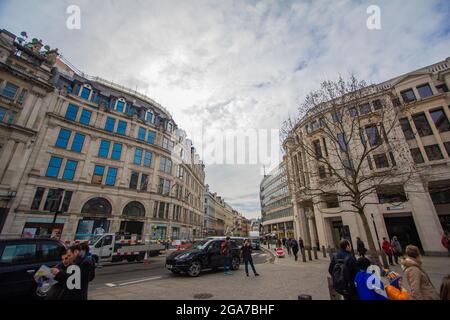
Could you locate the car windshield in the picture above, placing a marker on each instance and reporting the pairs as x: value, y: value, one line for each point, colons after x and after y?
x: 200, y: 245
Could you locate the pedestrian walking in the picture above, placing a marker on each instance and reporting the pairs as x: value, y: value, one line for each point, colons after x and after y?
x: 301, y: 244
x: 74, y: 258
x: 226, y: 250
x: 57, y: 290
x: 396, y: 248
x: 284, y: 241
x: 387, y: 248
x: 368, y: 289
x: 294, y: 246
x: 360, y: 247
x: 343, y: 269
x: 394, y: 289
x: 288, y: 246
x: 418, y: 280
x: 86, y: 254
x: 445, y: 288
x: 445, y: 240
x: 247, y: 257
x: 278, y: 243
x: 166, y: 244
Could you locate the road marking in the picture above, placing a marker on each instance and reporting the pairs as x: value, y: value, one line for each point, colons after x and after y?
x: 110, y: 285
x: 140, y: 280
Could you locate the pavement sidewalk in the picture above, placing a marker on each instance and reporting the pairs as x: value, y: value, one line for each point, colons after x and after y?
x: 279, y: 280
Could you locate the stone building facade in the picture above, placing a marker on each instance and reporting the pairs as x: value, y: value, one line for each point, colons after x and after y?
x: 83, y: 155
x: 277, y: 216
x: 214, y: 214
x: 416, y: 212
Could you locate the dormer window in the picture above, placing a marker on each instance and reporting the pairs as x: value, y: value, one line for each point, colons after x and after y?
x: 86, y: 92
x: 149, y: 116
x: 169, y: 127
x: 120, y: 105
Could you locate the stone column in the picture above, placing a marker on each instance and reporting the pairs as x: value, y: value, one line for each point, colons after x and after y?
x: 26, y: 109
x: 13, y: 173
x: 304, y: 227
x: 93, y: 144
x: 312, y: 231
x: 34, y: 113
x: 5, y: 155
x: 426, y: 219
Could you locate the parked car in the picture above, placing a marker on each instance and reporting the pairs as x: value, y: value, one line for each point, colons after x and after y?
x: 238, y: 240
x: 202, y: 255
x: 20, y: 259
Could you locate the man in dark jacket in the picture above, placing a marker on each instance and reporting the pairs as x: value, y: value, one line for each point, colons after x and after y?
x: 227, y: 251
x: 85, y: 265
x: 288, y: 246
x: 360, y: 247
x: 294, y: 246
x: 301, y: 244
x: 350, y: 265
x: 247, y: 257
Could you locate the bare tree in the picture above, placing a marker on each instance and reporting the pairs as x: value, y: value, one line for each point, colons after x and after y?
x: 353, y: 146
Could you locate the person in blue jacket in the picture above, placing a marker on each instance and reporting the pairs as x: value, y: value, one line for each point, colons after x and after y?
x: 368, y: 285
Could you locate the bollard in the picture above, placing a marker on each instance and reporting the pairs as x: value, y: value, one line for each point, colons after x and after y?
x: 315, y: 253
x: 309, y: 254
x: 303, y: 255
x: 304, y: 297
x: 324, y: 252
x: 330, y: 253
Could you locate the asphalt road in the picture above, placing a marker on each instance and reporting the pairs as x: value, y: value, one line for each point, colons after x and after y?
x: 126, y: 273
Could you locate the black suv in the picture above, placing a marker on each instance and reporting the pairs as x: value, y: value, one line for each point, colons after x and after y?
x: 202, y: 255
x: 20, y: 259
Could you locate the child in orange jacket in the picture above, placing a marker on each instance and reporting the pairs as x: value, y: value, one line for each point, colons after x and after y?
x: 394, y: 289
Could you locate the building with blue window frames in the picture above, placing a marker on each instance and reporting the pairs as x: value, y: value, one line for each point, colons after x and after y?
x: 147, y: 158
x: 84, y: 147
x: 85, y: 117
x: 110, y: 124
x: 69, y: 171
x: 72, y: 112
x: 151, y: 137
x: 138, y: 156
x: 111, y: 176
x: 63, y: 138
x: 78, y: 142
x: 141, y: 133
x: 53, y: 167
x: 122, y: 127
x: 103, y: 152
x: 117, y: 151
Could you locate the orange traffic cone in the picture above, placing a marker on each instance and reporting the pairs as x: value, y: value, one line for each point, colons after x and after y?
x: 146, y: 258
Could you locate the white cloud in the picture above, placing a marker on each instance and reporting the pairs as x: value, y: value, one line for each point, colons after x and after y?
x: 236, y: 64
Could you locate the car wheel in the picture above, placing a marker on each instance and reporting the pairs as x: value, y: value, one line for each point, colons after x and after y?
x: 235, y: 263
x: 195, y: 269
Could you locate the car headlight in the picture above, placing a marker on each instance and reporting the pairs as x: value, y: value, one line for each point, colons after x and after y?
x: 182, y: 256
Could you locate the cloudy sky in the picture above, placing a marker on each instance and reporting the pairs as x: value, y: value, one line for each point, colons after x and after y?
x: 233, y: 65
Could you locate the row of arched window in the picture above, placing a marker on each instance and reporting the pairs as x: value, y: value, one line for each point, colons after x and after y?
x: 102, y: 206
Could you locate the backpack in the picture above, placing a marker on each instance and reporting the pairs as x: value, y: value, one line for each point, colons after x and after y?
x: 223, y: 248
x: 340, y: 277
